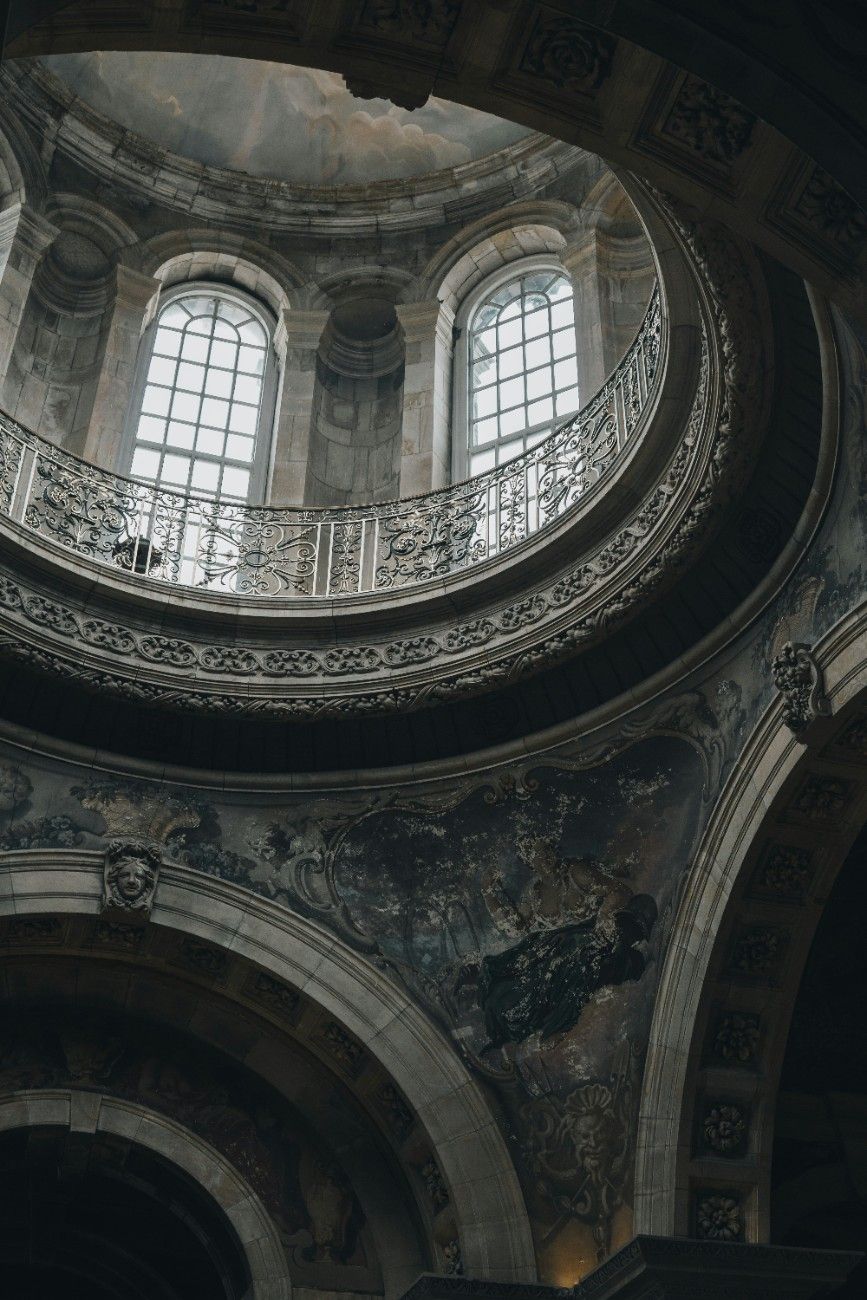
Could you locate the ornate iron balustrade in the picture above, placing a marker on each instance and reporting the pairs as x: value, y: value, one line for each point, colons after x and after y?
x: 286, y: 551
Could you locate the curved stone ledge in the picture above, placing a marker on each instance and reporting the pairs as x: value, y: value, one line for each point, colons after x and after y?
x: 626, y: 540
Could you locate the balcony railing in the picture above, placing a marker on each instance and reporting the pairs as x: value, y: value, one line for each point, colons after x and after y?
x: 288, y: 551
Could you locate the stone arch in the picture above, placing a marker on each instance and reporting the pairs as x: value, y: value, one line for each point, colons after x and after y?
x: 490, y: 1215
x: 735, y: 957
x: 218, y: 1179
x: 177, y: 256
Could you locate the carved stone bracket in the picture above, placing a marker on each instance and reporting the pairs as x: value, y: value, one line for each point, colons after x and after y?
x: 800, y: 681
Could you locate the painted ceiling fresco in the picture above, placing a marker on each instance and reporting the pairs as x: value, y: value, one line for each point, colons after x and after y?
x: 293, y: 124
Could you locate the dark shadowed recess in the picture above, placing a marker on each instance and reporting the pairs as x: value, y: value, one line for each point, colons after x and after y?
x: 819, y: 1176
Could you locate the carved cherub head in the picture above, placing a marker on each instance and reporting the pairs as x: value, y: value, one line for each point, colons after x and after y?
x: 130, y: 877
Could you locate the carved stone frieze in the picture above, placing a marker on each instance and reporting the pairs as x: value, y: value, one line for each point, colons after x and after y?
x: 799, y: 679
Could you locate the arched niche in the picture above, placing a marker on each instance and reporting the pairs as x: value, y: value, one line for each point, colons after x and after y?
x: 464, y: 1183
x: 103, y: 1154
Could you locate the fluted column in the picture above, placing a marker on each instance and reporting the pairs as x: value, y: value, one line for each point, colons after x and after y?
x: 425, y: 462
x: 24, y: 237
x: 296, y: 341
x: 134, y: 295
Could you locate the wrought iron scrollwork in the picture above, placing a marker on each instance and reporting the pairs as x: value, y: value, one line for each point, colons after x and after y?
x: 268, y: 551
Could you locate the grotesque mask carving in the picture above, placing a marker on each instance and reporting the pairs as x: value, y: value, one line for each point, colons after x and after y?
x: 130, y: 878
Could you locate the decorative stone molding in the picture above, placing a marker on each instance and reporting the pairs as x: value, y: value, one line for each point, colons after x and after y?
x: 130, y: 877
x: 709, y: 122
x: 724, y: 1129
x: 735, y: 1038
x: 567, y: 53
x: 799, y: 679
x: 719, y: 1216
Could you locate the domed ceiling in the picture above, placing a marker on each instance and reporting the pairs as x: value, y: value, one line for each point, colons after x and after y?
x: 293, y: 124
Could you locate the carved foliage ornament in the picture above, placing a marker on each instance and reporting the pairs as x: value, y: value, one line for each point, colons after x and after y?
x: 709, y: 122
x: 130, y: 875
x: 800, y: 681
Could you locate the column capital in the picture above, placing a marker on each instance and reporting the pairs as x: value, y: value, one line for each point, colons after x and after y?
x: 133, y: 288
x: 298, y: 328
x: 33, y: 232
x: 422, y: 321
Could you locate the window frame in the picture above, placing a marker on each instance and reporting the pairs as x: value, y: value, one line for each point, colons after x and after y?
x: 461, y: 421
x: 260, y: 468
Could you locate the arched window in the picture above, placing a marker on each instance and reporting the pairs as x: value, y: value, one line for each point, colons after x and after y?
x: 520, y: 367
x: 204, y: 402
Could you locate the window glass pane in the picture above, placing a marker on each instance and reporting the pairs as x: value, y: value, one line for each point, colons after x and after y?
x: 215, y: 412
x: 539, y: 383
x: 538, y: 352
x: 185, y: 406
x: 218, y: 383
x: 180, y: 435
x: 151, y: 428
x: 513, y: 421
x: 566, y: 373
x: 205, y: 476
x: 567, y: 401
x: 538, y: 411
x: 156, y: 400
x: 538, y: 322
x: 509, y: 334
x: 145, y: 464
x: 486, y: 430
x: 195, y: 348
x: 174, y: 316
x: 175, y: 470
x: 236, y: 482
x: 564, y: 343
x: 511, y: 362
x: 238, y: 448
x: 511, y: 392
x: 210, y: 441
x: 484, y: 402
x: 190, y: 377
x: 204, y: 376
x: 167, y: 342
x: 223, y: 354
x: 162, y: 371
x: 563, y: 313
x: 247, y: 389
x: 484, y: 342
x: 484, y: 371
x: 243, y: 418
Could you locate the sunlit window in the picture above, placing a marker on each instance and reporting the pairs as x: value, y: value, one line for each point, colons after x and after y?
x: 199, y: 425
x: 523, y: 375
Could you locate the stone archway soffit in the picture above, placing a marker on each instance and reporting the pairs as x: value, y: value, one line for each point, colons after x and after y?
x: 761, y: 805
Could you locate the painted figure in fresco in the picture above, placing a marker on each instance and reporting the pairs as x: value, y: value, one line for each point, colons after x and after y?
x: 580, y: 931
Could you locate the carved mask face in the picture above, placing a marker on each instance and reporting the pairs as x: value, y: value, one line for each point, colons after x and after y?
x: 131, y: 879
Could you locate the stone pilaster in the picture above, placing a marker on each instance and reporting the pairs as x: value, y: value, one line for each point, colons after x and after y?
x: 612, y: 282
x: 134, y: 295
x: 296, y: 341
x: 426, y: 445
x: 24, y: 237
